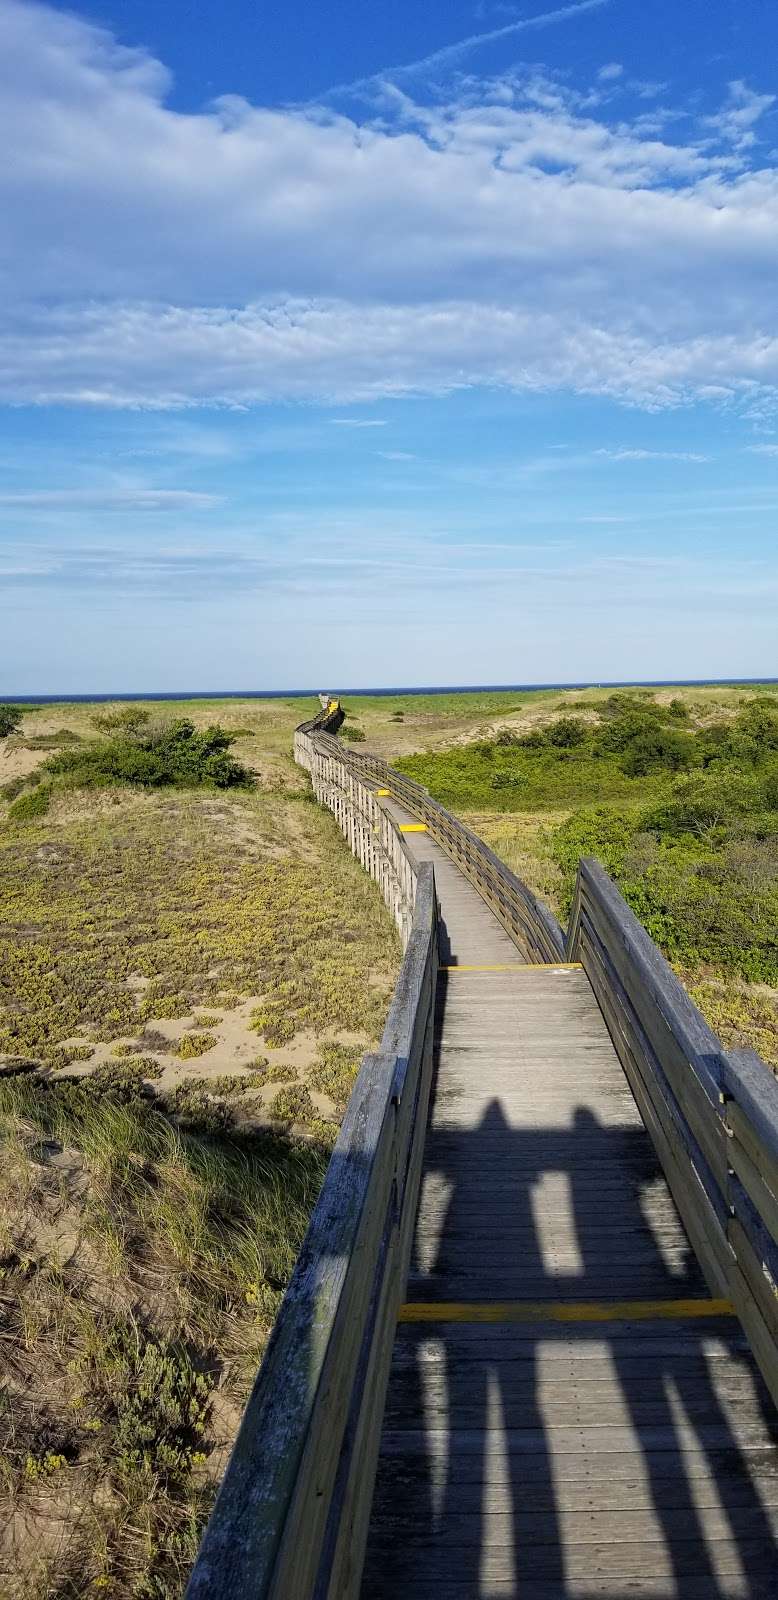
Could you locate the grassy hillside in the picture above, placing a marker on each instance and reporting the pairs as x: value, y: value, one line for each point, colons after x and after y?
x: 189, y: 976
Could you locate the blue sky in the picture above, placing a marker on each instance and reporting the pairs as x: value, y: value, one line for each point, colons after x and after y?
x: 356, y: 344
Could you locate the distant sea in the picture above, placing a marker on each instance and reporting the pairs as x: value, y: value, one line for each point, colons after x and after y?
x: 448, y: 688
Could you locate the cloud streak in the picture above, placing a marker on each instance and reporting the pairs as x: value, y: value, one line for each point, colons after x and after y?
x: 450, y: 55
x: 111, y: 500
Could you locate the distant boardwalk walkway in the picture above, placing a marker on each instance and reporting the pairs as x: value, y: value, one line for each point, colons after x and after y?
x: 530, y: 1345
x: 545, y: 1458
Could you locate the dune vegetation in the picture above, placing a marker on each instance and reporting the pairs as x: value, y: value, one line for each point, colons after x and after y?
x: 190, y: 972
x: 191, y: 965
x: 677, y: 795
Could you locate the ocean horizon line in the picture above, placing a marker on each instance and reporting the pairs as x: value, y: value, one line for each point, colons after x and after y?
x: 100, y: 697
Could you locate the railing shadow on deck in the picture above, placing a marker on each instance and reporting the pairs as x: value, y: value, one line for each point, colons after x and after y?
x: 483, y: 1488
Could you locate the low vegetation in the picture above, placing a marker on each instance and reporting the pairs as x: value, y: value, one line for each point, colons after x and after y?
x: 189, y: 975
x: 141, y: 1265
x: 681, y: 808
x: 172, y: 754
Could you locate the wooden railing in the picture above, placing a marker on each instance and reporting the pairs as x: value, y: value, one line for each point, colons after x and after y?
x: 713, y: 1116
x: 290, y: 1520
x: 533, y: 928
x: 371, y: 834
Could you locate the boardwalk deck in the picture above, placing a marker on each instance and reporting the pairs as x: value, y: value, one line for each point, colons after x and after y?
x: 604, y: 1435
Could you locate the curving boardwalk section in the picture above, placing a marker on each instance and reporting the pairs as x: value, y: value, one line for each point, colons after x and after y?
x: 539, y: 1458
x: 530, y: 1346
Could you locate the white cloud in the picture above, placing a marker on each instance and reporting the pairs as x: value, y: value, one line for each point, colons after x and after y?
x: 233, y: 255
x: 112, y: 499
x: 358, y: 422
x: 611, y: 71
x: 397, y: 455
x: 737, y: 118
x: 652, y: 455
x: 763, y: 449
x: 128, y: 355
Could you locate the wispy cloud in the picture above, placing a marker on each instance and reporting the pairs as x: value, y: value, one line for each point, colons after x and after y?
x: 357, y: 422
x: 112, y: 500
x: 739, y: 115
x: 763, y: 449
x: 652, y: 455
x: 451, y: 55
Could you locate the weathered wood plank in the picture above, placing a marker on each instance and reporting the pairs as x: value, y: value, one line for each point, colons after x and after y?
x: 625, y: 1560
x: 729, y: 1586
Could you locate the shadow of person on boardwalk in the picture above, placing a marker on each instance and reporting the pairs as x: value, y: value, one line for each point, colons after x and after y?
x: 680, y: 1396
x: 566, y: 1458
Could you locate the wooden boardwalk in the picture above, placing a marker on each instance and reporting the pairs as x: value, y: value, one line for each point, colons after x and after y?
x: 567, y: 1417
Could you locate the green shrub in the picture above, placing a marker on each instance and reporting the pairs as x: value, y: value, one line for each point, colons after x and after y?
x: 173, y: 753
x: 334, y: 1071
x: 601, y: 831
x: 659, y: 747
x: 163, y: 1413
x: 122, y: 719
x: 10, y: 719
x: 566, y: 732
x: 705, y: 800
x: 633, y: 723
x: 33, y: 803
x: 195, y: 1044
x: 292, y: 1105
x: 757, y: 725
x: 355, y: 735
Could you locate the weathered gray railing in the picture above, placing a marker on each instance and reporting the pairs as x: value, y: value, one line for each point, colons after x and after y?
x: 372, y: 835
x: 290, y: 1520
x: 713, y: 1116
x: 530, y: 924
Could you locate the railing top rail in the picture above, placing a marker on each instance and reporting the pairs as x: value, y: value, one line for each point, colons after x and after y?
x: 700, y: 1044
x: 746, y: 1079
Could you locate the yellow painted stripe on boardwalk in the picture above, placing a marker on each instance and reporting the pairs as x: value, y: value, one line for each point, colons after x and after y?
x: 525, y: 966
x: 383, y: 792
x: 555, y: 1311
x: 413, y: 827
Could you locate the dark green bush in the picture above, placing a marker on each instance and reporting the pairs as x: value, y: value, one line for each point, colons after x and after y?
x: 33, y: 803
x: 174, y: 753
x: 706, y: 800
x: 10, y: 719
x: 355, y: 735
x: 658, y: 747
x: 756, y: 728
x: 566, y: 732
